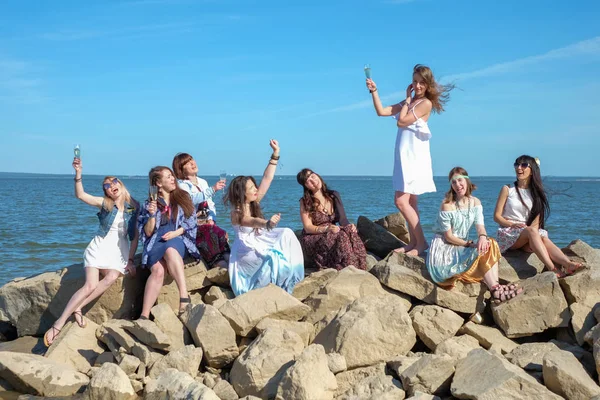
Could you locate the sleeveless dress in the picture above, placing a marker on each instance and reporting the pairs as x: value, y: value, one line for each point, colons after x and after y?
x: 515, y: 211
x: 412, y: 159
x: 447, y: 262
x: 110, y: 251
x: 259, y: 257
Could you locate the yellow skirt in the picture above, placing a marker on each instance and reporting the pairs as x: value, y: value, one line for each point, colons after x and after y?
x: 482, y: 264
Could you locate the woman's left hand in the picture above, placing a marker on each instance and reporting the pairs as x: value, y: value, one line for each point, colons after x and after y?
x: 409, y: 91
x: 131, y: 268
x: 275, y: 146
x: 169, y: 235
x: 353, y: 228
x: 483, y: 245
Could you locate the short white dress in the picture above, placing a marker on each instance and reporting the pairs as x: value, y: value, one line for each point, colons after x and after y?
x: 110, y: 251
x: 412, y: 159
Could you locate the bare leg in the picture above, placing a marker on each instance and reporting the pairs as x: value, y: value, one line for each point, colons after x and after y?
x: 491, y: 277
x: 530, y: 236
x: 418, y: 230
x: 110, y: 276
x: 557, y: 255
x: 402, y: 201
x: 91, y: 281
x: 174, y: 264
x: 153, y: 286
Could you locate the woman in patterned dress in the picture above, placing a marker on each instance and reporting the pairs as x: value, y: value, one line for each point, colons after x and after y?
x: 321, y: 210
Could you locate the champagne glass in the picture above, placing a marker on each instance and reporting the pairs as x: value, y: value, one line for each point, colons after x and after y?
x: 222, y: 176
x: 368, y: 71
x: 77, y: 151
x: 153, y: 191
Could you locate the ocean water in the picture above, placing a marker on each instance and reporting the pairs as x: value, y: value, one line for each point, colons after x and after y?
x: 45, y: 228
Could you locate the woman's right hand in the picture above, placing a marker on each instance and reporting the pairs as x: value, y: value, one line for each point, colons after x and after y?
x: 275, y: 220
x: 371, y: 85
x: 151, y: 207
x: 275, y: 146
x: 333, y: 228
x: 77, y: 164
x: 518, y: 225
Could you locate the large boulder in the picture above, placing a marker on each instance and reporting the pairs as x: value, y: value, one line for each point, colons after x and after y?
x: 530, y: 356
x: 483, y: 375
x: 376, y: 238
x: 542, y: 305
x: 489, y: 337
x: 195, y: 279
x: 309, y: 378
x: 345, y: 287
x: 457, y: 347
x: 33, y: 304
x: 396, y: 225
x: 565, y: 376
x: 516, y: 265
x: 213, y: 333
x: 430, y: 374
x: 247, y: 310
x: 435, y: 324
x: 187, y: 359
x: 149, y: 333
x: 260, y: 367
x: 409, y: 275
x: 313, y: 283
x: 33, y: 374
x: 109, y: 382
x: 167, y: 321
x: 303, y: 329
x: 173, y: 384
x: 369, y: 330
x: 76, y: 346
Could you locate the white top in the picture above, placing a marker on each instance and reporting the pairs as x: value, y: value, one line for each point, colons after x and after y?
x: 514, y: 210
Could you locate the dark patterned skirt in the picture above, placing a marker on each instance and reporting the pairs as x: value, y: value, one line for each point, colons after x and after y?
x: 335, y: 250
x: 212, y: 242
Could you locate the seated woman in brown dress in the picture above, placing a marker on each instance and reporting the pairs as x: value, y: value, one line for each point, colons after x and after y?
x: 321, y: 209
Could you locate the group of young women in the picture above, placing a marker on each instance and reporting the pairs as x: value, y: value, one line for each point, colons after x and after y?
x: 181, y: 220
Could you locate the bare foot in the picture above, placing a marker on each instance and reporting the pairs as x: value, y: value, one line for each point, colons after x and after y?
x: 417, y: 251
x: 50, y: 335
x: 79, y: 318
x: 404, y: 249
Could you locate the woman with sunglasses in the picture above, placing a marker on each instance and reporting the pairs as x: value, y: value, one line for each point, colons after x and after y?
x: 168, y: 230
x: 211, y: 240
x: 110, y: 253
x: 521, y: 211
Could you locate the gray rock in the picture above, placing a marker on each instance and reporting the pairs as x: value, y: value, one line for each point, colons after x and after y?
x: 167, y: 321
x: 489, y: 337
x: 376, y: 238
x: 396, y: 225
x: 430, y: 374
x: 110, y: 383
x: 434, y: 324
x: 173, y: 384
x: 565, y: 376
x: 336, y: 363
x: 186, y: 359
x: 76, y: 346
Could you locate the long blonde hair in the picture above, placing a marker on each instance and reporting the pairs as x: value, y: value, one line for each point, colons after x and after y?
x: 436, y: 93
x: 109, y: 203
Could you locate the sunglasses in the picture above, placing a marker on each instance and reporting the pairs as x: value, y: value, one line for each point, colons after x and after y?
x: 523, y: 165
x: 107, y: 186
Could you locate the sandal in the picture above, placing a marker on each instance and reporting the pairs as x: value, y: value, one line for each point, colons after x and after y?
x: 558, y: 272
x: 143, y: 317
x: 55, y: 333
x: 502, y: 293
x: 80, y: 321
x: 568, y: 271
x: 184, y: 300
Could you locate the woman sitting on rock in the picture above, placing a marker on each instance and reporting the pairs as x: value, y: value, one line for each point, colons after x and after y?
x: 452, y: 256
x: 521, y: 211
x: 261, y: 253
x: 168, y: 230
x: 212, y: 241
x: 109, y: 253
x: 321, y: 209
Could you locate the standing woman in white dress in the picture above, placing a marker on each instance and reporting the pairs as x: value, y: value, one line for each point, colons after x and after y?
x: 261, y: 254
x: 109, y: 253
x: 413, y: 174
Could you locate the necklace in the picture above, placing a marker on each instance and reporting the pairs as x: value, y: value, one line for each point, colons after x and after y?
x: 462, y: 212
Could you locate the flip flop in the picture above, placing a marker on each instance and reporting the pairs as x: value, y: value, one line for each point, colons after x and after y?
x: 80, y: 321
x: 185, y: 300
x: 572, y: 270
x: 52, y: 329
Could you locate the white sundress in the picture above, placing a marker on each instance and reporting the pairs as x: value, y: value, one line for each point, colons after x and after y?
x: 110, y: 251
x: 412, y: 159
x: 259, y: 257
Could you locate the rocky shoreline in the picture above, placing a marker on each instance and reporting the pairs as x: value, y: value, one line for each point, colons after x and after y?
x: 386, y: 333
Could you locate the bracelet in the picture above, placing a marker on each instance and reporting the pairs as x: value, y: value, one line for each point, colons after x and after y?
x: 272, y: 163
x: 77, y: 179
x: 274, y: 157
x: 373, y: 91
x: 486, y: 236
x: 469, y: 243
x: 269, y: 225
x: 131, y: 259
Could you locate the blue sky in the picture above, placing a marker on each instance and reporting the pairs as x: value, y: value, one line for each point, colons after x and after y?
x: 135, y: 82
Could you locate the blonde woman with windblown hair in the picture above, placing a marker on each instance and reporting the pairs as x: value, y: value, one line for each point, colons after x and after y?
x: 413, y: 174
x: 109, y: 253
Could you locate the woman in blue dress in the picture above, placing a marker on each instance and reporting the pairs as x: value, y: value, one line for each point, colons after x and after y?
x: 168, y: 230
x: 452, y: 256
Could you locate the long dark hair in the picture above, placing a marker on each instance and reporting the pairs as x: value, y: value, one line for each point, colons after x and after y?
x: 451, y: 194
x: 539, y: 199
x: 178, y: 197
x: 310, y: 202
x: 236, y: 197
x: 179, y: 161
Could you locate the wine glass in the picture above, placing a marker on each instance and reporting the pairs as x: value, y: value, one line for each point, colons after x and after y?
x: 368, y: 71
x: 153, y: 192
x: 222, y: 176
x: 77, y: 151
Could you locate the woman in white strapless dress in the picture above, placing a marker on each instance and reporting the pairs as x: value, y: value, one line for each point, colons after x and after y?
x: 413, y: 174
x: 109, y: 253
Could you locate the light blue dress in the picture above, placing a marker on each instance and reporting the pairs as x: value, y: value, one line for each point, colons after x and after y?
x: 447, y: 260
x: 259, y: 257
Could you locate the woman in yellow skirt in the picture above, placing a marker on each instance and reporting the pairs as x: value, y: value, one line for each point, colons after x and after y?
x: 452, y: 256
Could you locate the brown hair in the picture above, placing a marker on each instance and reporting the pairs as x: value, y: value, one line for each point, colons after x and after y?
x: 436, y: 93
x: 308, y: 199
x: 109, y: 203
x: 178, y: 197
x: 236, y: 197
x: 179, y: 161
x: 450, y: 194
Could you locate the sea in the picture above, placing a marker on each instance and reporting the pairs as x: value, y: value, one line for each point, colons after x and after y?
x: 45, y: 228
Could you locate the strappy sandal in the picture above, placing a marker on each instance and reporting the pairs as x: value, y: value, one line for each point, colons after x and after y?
x: 568, y: 271
x: 184, y: 300
x: 81, y: 321
x: 502, y: 293
x: 55, y: 332
x: 558, y: 272
x: 143, y: 317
